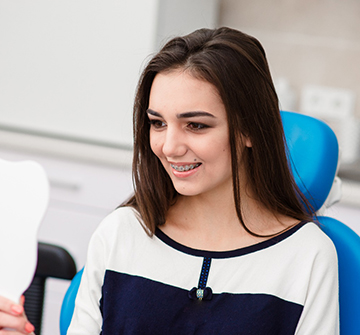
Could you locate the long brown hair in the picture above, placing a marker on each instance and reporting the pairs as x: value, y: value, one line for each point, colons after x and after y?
x: 235, y: 63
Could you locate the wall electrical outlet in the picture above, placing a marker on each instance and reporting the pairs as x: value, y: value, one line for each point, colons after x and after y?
x: 327, y: 102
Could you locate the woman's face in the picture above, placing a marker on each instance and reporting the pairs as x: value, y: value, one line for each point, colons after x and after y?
x: 189, y: 133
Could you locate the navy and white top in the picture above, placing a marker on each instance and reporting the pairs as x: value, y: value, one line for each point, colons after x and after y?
x: 136, y: 284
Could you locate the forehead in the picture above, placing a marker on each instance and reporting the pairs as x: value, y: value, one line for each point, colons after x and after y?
x: 180, y: 91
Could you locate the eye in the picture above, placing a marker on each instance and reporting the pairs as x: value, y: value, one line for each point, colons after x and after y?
x: 157, y: 124
x: 197, y: 126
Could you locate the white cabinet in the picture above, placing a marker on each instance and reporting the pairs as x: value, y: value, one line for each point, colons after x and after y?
x: 81, y: 195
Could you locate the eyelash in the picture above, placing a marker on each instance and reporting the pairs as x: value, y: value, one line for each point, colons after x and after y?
x: 155, y: 123
x: 195, y: 126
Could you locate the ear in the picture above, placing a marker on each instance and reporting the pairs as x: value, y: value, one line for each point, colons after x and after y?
x: 247, y: 141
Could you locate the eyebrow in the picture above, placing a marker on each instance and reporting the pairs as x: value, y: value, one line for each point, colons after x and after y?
x: 182, y: 115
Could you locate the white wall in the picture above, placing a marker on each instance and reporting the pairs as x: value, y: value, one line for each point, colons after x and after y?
x: 69, y: 69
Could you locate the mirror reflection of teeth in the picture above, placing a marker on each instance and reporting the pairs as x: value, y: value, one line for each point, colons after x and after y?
x: 182, y: 168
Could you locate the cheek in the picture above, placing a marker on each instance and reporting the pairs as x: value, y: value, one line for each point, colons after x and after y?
x: 220, y: 149
x: 154, y: 145
x: 224, y: 155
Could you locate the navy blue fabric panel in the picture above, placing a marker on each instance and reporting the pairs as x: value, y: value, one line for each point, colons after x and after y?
x: 137, y: 305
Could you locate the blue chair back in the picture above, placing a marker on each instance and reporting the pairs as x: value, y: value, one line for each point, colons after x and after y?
x: 347, y: 244
x: 313, y: 155
x: 68, y: 304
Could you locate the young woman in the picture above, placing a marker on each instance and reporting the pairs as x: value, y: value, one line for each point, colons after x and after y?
x: 217, y: 238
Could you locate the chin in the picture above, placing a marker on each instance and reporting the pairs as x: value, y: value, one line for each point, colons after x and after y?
x: 188, y: 192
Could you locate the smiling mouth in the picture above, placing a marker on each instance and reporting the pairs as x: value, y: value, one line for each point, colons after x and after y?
x: 183, y: 168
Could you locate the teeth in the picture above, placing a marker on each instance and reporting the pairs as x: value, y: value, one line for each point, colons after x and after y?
x: 183, y: 168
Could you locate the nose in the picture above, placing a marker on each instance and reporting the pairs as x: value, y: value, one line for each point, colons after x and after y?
x: 174, y: 144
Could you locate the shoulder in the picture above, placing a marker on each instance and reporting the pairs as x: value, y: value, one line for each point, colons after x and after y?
x: 305, y: 237
x: 313, y: 238
x: 304, y: 243
x: 123, y: 221
x: 307, y: 259
x: 313, y: 248
x: 123, y: 212
x: 122, y: 216
x: 320, y: 295
x: 302, y: 247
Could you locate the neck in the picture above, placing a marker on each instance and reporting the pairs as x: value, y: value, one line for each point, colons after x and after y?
x: 211, y: 223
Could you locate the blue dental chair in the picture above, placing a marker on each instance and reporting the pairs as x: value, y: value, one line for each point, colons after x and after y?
x: 313, y: 156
